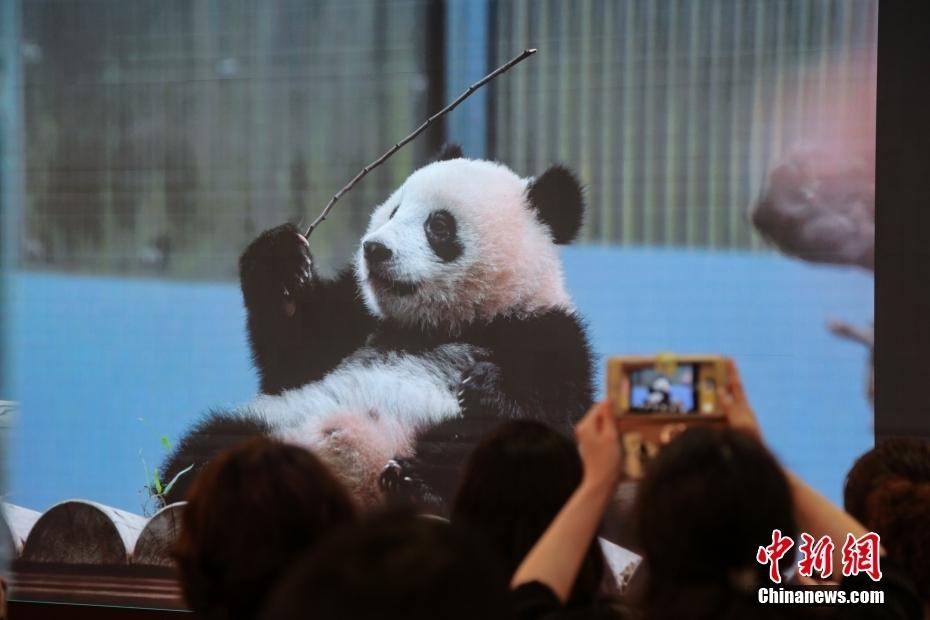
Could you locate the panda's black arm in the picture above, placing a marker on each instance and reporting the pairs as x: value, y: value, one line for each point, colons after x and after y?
x: 539, y: 367
x: 300, y: 326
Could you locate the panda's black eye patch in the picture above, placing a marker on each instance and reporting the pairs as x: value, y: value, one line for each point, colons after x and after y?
x: 442, y: 234
x: 440, y: 225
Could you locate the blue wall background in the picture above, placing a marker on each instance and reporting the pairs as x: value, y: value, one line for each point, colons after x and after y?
x: 104, y: 367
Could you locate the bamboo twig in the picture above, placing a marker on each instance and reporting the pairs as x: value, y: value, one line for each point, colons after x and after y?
x: 465, y: 95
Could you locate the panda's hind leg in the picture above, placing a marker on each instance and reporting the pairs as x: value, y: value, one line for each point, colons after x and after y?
x: 216, y: 432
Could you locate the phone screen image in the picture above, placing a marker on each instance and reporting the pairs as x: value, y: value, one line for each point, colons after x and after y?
x: 652, y: 391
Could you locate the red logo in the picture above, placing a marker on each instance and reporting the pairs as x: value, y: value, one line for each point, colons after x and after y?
x: 815, y: 556
x: 773, y: 553
x: 860, y: 555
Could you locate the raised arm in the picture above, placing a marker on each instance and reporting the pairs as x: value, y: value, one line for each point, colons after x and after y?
x: 816, y: 515
x: 300, y: 326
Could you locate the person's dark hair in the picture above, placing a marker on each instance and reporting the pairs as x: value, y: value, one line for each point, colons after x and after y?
x: 252, y: 511
x: 708, y: 501
x: 888, y: 490
x: 395, y: 566
x: 515, y: 483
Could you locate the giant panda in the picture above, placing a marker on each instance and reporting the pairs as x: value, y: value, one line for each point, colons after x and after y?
x: 455, y: 316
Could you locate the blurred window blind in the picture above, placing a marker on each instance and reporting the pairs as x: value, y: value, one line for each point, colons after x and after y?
x: 162, y: 135
x: 673, y: 111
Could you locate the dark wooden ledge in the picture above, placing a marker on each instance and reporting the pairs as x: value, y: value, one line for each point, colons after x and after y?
x: 148, y: 587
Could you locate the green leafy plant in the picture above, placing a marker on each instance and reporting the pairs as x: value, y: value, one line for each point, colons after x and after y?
x: 155, y: 492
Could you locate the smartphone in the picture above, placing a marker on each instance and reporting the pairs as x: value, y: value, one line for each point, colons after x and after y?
x: 656, y: 397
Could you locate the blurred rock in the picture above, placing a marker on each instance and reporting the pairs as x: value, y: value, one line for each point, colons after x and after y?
x: 818, y: 204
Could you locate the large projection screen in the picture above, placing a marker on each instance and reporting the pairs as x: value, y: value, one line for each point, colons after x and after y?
x: 726, y: 150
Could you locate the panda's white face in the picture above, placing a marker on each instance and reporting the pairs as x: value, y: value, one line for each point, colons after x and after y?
x: 458, y: 242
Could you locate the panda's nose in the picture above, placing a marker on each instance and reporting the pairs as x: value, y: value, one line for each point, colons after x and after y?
x: 376, y: 253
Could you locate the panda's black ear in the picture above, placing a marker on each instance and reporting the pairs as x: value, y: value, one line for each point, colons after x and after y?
x: 449, y: 151
x: 556, y: 196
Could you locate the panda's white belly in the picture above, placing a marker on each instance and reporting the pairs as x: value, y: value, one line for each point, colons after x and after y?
x: 410, y: 389
x: 368, y: 409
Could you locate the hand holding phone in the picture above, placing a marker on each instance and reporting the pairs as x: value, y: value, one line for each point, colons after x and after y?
x: 599, y: 445
x: 657, y: 397
x: 735, y: 405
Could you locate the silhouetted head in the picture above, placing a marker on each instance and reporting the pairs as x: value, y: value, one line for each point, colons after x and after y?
x: 395, y: 566
x: 516, y: 482
x: 888, y: 490
x: 252, y: 511
x: 708, y: 501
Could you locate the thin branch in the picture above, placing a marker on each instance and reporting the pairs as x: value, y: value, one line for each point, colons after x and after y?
x: 465, y: 95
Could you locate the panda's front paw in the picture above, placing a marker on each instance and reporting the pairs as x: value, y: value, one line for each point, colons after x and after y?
x: 277, y: 263
x: 480, y: 386
x: 401, y: 485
